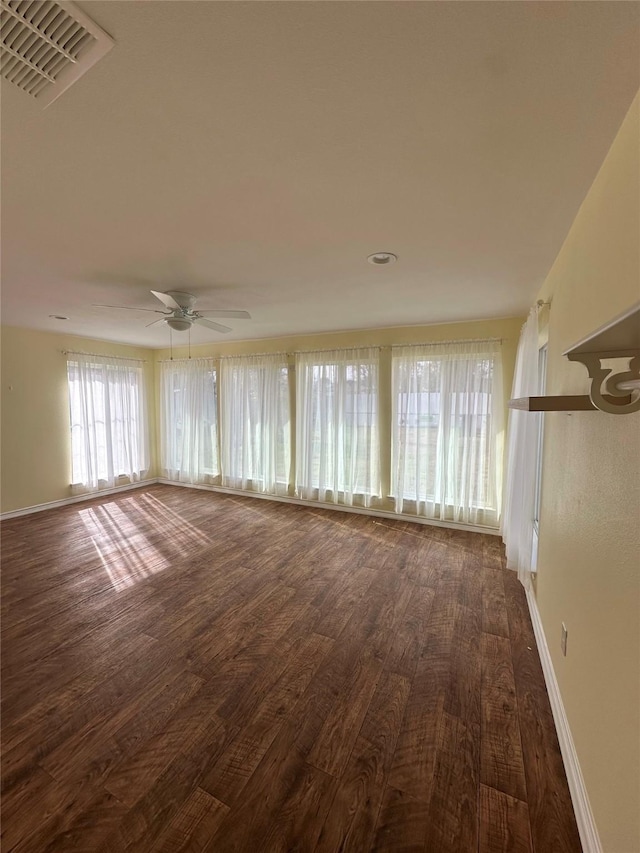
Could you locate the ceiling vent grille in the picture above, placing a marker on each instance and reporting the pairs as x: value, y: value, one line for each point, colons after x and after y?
x: 47, y: 46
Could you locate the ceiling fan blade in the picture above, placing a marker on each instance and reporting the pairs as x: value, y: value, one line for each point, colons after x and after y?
x: 166, y: 300
x: 201, y: 321
x: 154, y: 322
x: 237, y: 315
x: 127, y: 308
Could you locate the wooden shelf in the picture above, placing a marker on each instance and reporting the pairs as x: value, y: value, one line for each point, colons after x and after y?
x: 565, y: 403
x: 619, y: 338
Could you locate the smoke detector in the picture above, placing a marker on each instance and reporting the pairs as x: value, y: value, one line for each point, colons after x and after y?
x: 46, y: 46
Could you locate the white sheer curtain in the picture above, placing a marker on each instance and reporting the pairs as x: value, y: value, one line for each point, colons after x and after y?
x: 522, y: 449
x: 255, y: 423
x: 337, y: 453
x: 189, y: 420
x: 109, y: 435
x: 447, y: 431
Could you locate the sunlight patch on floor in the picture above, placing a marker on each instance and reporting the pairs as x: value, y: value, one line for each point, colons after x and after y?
x: 126, y: 554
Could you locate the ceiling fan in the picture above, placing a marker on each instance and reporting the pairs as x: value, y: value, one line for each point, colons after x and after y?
x: 181, y: 314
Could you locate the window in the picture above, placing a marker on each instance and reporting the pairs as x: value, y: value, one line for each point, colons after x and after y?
x: 447, y: 425
x: 256, y: 423
x: 337, y: 426
x: 108, y: 420
x: 189, y: 421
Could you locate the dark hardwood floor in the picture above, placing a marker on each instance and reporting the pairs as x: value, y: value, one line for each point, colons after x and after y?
x: 190, y: 671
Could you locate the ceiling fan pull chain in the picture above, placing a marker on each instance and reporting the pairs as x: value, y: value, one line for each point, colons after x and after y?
x: 189, y: 341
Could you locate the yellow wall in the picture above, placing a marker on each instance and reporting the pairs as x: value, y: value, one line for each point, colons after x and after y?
x: 36, y: 448
x: 588, y: 562
x: 35, y: 421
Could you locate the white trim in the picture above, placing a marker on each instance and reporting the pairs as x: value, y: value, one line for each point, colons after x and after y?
x: 534, y: 549
x: 15, y: 513
x: 378, y: 513
x: 584, y: 816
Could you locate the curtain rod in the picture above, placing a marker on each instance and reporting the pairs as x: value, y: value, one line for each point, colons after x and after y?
x: 253, y: 355
x: 452, y: 341
x: 334, y: 349
x: 188, y: 358
x: 102, y: 355
x: 397, y: 346
x: 221, y: 357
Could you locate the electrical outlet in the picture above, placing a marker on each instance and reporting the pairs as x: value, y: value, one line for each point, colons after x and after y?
x: 563, y: 639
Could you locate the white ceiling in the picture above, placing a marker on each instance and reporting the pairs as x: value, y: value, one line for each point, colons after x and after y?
x: 254, y: 153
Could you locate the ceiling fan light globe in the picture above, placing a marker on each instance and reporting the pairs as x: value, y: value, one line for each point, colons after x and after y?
x: 179, y: 324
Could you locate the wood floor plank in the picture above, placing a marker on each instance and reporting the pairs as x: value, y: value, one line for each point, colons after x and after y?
x: 504, y: 823
x: 142, y: 824
x: 501, y: 764
x: 283, y: 795
x: 381, y: 725
x: 332, y: 748
x: 453, y: 805
x: 494, y: 605
x: 402, y: 824
x: 339, y: 603
x: 352, y: 818
x: 28, y: 806
x: 193, y: 825
x: 231, y: 675
x: 93, y: 750
x: 55, y: 658
x: 250, y: 693
x: 228, y: 776
x: 52, y: 709
x: 462, y: 698
x: 144, y: 674
x: 413, y: 763
x: 81, y: 822
x: 493, y: 555
x: 410, y: 638
x: 414, y: 759
x: 340, y: 729
x: 134, y: 777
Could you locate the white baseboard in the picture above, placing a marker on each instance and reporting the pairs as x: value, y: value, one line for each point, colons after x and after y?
x: 378, y: 513
x: 584, y: 816
x: 75, y: 499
